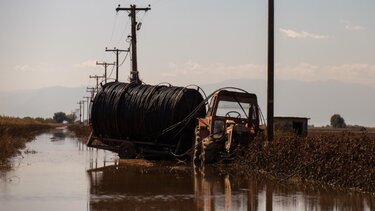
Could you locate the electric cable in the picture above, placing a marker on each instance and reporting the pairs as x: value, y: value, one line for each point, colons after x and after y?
x: 126, y: 56
x: 110, y: 74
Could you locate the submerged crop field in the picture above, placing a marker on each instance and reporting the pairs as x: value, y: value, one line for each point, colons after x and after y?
x: 338, y: 158
x: 15, y: 132
x: 344, y: 160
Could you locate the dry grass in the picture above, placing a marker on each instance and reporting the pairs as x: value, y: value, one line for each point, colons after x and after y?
x: 15, y: 132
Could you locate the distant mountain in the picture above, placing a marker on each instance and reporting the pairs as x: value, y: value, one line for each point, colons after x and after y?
x: 40, y: 102
x: 315, y: 100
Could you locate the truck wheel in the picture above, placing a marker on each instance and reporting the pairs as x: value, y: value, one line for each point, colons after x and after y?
x: 212, y: 149
x: 127, y: 151
x: 197, y: 147
x: 209, y: 151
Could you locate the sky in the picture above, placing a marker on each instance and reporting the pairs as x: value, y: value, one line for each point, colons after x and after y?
x: 56, y: 43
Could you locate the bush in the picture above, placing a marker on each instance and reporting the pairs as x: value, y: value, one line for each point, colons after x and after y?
x: 337, y: 121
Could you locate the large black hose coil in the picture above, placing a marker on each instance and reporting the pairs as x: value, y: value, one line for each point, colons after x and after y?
x: 159, y: 114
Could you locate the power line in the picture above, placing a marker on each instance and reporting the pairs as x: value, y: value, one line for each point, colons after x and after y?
x: 123, y: 32
x: 126, y: 56
x: 110, y: 74
x: 113, y: 29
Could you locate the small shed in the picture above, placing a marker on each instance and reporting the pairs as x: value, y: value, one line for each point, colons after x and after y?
x: 297, y: 125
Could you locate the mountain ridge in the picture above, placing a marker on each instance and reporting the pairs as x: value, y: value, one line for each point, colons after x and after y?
x: 317, y: 100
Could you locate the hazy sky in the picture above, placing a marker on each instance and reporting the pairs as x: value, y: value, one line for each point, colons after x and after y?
x: 49, y: 42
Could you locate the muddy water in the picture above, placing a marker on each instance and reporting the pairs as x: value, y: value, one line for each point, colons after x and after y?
x: 57, y: 172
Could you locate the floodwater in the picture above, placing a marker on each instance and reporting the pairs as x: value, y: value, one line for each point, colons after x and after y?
x: 58, y: 172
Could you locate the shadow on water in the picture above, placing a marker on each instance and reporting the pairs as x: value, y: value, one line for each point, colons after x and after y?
x: 64, y: 174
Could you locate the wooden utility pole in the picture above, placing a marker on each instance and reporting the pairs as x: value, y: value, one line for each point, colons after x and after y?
x: 105, y: 64
x: 80, y: 110
x: 91, y: 90
x: 83, y: 111
x: 88, y: 108
x: 134, y: 76
x: 270, y: 78
x: 117, y: 52
x: 97, y: 80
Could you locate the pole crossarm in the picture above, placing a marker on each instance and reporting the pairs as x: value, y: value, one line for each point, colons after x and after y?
x: 105, y: 64
x: 90, y: 90
x: 116, y: 50
x: 132, y: 7
x: 97, y: 80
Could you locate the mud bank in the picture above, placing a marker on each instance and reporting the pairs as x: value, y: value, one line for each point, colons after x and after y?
x: 14, y: 133
x: 345, y: 160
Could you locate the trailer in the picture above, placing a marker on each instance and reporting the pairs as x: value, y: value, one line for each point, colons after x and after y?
x: 165, y: 122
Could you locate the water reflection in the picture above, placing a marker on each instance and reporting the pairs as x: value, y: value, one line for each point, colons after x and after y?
x: 58, y: 135
x: 126, y: 187
x: 66, y: 175
x: 164, y: 187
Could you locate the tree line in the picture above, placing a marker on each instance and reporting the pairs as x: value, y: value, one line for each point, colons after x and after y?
x: 60, y: 117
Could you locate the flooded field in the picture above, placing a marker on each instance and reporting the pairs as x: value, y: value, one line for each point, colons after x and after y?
x: 58, y: 172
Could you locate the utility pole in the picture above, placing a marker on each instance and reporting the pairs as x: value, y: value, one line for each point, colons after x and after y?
x: 83, y: 111
x: 134, y: 76
x: 270, y: 78
x: 80, y: 110
x: 76, y: 112
x: 117, y: 52
x: 88, y: 108
x: 91, y: 90
x: 97, y: 80
x: 105, y: 64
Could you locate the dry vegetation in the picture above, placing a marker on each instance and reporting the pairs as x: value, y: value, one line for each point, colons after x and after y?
x: 15, y: 132
x: 344, y: 159
x: 81, y: 131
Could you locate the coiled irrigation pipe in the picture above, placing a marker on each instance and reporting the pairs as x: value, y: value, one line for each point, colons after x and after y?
x: 144, y: 112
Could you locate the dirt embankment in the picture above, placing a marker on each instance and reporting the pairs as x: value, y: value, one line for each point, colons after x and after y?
x: 14, y: 133
x: 344, y: 160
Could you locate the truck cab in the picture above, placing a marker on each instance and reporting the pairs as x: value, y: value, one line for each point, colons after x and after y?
x: 232, y: 122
